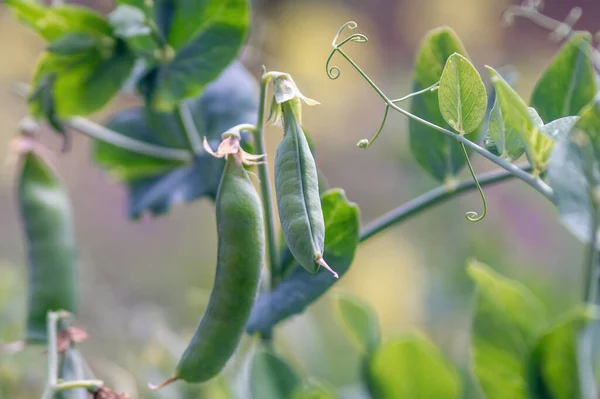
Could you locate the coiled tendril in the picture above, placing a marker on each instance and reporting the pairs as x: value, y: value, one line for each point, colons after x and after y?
x: 334, y: 71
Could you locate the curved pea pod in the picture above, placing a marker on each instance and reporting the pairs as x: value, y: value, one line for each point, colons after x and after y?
x: 297, y: 191
x: 241, y: 251
x: 50, y: 242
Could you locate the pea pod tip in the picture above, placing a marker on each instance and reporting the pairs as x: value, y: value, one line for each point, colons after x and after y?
x: 163, y: 384
x: 320, y: 261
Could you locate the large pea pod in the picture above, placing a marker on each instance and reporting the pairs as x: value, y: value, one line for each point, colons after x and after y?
x: 74, y: 368
x: 297, y: 191
x: 241, y: 250
x: 50, y: 242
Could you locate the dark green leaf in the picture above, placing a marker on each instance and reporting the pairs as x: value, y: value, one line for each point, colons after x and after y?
x: 271, y: 377
x: 301, y: 288
x: 574, y: 171
x: 568, y: 84
x: 359, y: 321
x: 439, y: 155
x: 507, y: 320
x: 72, y: 44
x: 207, y: 36
x: 411, y: 367
x: 517, y: 118
x: 154, y: 184
x: 53, y: 22
x: 315, y: 390
x: 462, y: 95
x: 554, y: 361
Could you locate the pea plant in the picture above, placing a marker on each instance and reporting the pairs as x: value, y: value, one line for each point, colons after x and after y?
x: 200, y: 133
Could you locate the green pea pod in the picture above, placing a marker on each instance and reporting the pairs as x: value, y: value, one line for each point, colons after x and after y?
x: 240, y: 258
x: 297, y: 191
x: 74, y: 368
x: 50, y: 242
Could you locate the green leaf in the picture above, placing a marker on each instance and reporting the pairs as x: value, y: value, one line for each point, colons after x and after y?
x: 439, y: 155
x: 315, y: 390
x: 207, y: 36
x: 568, y: 83
x: 130, y: 24
x: 559, y: 128
x: 73, y: 44
x: 155, y: 184
x: 271, y: 377
x: 411, y: 367
x: 517, y: 118
x: 462, y: 95
x: 300, y: 288
x: 42, y: 104
x: 573, y: 173
x: 507, y: 320
x: 554, y: 361
x: 53, y: 22
x: 507, y: 140
x: 359, y: 321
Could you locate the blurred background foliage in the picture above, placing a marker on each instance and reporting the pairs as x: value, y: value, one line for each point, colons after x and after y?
x: 145, y: 283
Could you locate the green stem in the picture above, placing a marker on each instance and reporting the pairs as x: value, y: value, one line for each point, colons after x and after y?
x: 188, y: 127
x: 534, y: 182
x: 90, y: 385
x: 52, y: 376
x: 263, y: 174
x: 433, y: 198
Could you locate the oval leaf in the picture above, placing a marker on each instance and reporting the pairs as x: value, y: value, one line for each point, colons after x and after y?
x: 271, y: 377
x: 439, y: 155
x: 568, y: 83
x: 207, y: 36
x: 359, y: 321
x: 301, y: 288
x: 506, y: 322
x: 411, y: 367
x: 573, y: 173
x: 462, y: 95
x: 554, y: 361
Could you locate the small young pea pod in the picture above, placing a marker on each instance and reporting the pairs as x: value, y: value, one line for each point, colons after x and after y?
x: 241, y: 249
x: 297, y: 191
x: 50, y: 242
x: 74, y: 368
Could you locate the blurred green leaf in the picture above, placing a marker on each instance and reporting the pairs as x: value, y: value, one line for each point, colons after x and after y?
x: 411, y: 367
x: 554, y: 360
x: 53, y: 22
x: 517, y: 118
x: 315, y: 390
x: 360, y: 322
x: 154, y: 184
x: 507, y: 140
x: 300, y: 288
x: 206, y: 37
x: 507, y: 320
x: 439, y: 155
x: 272, y: 377
x: 72, y: 44
x: 130, y: 24
x: 559, y: 128
x: 573, y: 173
x: 568, y: 83
x: 462, y: 95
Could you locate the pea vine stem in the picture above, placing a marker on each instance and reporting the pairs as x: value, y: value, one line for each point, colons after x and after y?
x: 188, y: 127
x: 435, y: 197
x: 263, y: 174
x: 334, y: 73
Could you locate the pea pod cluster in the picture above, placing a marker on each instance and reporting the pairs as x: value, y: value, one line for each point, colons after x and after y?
x: 50, y: 242
x: 241, y: 250
x: 297, y: 191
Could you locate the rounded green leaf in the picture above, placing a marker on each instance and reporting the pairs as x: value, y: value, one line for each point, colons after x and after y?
x: 506, y: 323
x: 359, y: 321
x: 207, y: 36
x: 439, y: 155
x: 411, y: 367
x: 462, y: 95
x: 300, y: 288
x: 271, y: 377
x: 568, y: 83
x: 555, y: 357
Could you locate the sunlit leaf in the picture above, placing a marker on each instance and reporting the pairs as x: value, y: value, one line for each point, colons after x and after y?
x: 359, y: 322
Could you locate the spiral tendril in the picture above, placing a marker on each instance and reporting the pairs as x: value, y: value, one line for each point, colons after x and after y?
x: 333, y: 72
x: 471, y: 215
